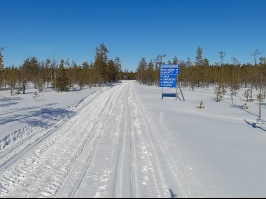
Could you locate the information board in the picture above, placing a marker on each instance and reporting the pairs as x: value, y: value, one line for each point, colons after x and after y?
x: 168, y: 74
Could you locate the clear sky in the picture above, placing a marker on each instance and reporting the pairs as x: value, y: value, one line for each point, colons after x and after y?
x: 132, y: 29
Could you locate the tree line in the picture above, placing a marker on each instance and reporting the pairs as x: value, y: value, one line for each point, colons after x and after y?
x: 223, y: 76
x: 64, y: 75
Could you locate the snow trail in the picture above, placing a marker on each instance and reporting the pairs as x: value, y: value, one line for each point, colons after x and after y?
x: 108, y: 149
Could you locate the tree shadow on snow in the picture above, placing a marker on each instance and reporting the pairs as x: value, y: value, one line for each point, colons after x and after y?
x: 40, y: 118
x: 172, y: 194
x: 254, y: 125
x: 241, y: 107
x: 8, y: 104
x: 236, y: 106
x: 9, y: 101
x: 17, y: 110
x: 112, y: 84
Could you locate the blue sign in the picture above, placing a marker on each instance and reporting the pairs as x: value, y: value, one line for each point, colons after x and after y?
x: 168, y: 81
x: 168, y: 73
x: 170, y: 66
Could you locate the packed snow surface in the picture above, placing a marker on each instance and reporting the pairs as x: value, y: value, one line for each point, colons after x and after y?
x: 124, y: 140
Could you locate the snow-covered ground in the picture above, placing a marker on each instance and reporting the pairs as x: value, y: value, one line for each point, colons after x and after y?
x: 124, y: 140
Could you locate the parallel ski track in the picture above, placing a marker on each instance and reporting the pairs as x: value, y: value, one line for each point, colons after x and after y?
x: 122, y: 189
x: 152, y: 181
x: 81, y: 151
x: 48, y: 148
x: 111, y: 171
x: 120, y: 163
x: 76, y: 177
x: 12, y: 154
x: 156, y: 140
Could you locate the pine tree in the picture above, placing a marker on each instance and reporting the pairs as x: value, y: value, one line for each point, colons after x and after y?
x: 199, y: 59
x: 100, y: 64
x: 111, y: 71
x: 150, y: 77
x: 219, y: 93
x: 81, y: 80
x: 87, y: 71
x: 30, y: 72
x: 62, y: 79
x: 1, y: 59
x: 175, y: 60
x: 74, y: 75
x: 11, y: 78
x: 1, y: 66
x: 141, y: 71
x: 118, y: 69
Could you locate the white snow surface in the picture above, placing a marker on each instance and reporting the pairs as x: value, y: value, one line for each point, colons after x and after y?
x: 124, y: 140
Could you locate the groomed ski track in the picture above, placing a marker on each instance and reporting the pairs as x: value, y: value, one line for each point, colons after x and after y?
x: 110, y: 148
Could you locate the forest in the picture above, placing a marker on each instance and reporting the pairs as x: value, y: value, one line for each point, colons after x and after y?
x: 224, y: 77
x: 63, y: 76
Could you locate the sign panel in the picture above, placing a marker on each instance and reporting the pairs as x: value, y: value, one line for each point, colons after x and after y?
x: 170, y: 65
x: 169, y: 71
x: 168, y: 81
x: 174, y: 67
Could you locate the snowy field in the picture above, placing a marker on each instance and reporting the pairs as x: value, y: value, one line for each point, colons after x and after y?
x: 123, y: 140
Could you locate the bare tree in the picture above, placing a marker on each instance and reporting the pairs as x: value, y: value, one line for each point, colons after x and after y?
x: 221, y: 55
x: 234, y: 80
x: 255, y: 54
x: 158, y: 61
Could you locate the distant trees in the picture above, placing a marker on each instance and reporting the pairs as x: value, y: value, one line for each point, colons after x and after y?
x: 142, y: 71
x: 11, y: 77
x: 1, y: 65
x: 100, y: 64
x: 199, y: 59
x: 113, y: 70
x: 128, y: 75
x: 106, y: 70
x: 225, y: 77
x: 111, y: 76
x: 1, y: 59
x: 148, y: 73
x: 117, y: 70
x: 30, y: 72
x: 234, y: 80
x: 64, y: 75
x: 255, y: 54
x: 62, y: 80
x: 261, y: 69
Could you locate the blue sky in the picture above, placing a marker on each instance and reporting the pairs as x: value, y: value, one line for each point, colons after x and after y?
x: 72, y: 29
